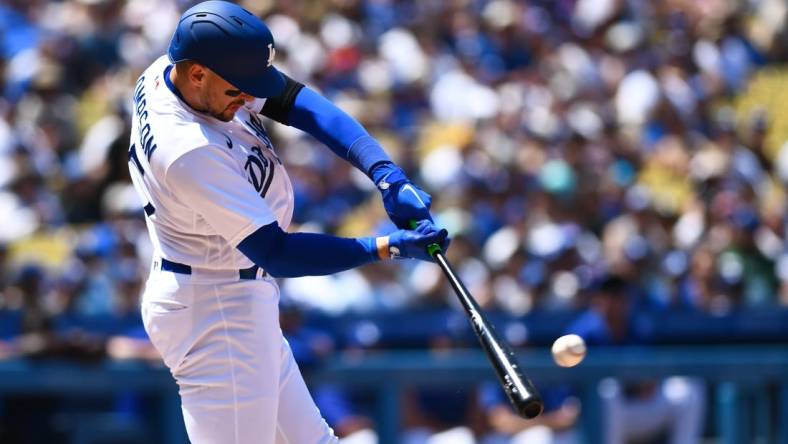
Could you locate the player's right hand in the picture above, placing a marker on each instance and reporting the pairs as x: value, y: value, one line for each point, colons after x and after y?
x: 413, y: 243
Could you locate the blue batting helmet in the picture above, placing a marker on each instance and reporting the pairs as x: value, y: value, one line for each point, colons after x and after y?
x: 232, y: 42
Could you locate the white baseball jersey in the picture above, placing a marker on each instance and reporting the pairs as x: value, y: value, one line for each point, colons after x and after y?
x: 206, y: 184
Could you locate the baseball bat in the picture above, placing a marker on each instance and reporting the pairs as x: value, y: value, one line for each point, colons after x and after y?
x: 518, y: 388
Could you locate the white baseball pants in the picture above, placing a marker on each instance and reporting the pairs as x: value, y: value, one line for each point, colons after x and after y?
x: 220, y: 337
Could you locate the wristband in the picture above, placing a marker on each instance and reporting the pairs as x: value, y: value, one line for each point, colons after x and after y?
x: 382, y: 245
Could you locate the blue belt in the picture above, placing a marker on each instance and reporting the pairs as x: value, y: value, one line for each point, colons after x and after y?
x: 244, y: 273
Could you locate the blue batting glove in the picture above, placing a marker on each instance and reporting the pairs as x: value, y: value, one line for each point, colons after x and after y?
x: 402, y: 200
x: 413, y: 243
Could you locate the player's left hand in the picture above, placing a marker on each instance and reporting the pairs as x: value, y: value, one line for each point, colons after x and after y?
x: 403, y: 200
x: 415, y: 243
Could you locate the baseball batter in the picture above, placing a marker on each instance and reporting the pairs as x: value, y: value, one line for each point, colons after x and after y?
x: 218, y: 202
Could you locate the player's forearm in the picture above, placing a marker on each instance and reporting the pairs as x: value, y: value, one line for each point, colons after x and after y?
x: 346, y: 137
x: 284, y: 254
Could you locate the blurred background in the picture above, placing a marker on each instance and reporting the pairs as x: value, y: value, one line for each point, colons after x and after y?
x: 611, y: 168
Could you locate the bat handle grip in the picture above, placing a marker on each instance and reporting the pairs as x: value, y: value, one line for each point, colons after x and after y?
x: 432, y: 249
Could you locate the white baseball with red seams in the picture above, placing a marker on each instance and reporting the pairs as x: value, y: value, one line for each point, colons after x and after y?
x: 569, y: 350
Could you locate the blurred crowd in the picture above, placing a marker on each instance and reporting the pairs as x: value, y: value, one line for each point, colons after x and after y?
x: 563, y: 142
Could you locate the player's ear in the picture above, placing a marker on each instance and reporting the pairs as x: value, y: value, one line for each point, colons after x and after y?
x: 193, y: 72
x: 197, y: 74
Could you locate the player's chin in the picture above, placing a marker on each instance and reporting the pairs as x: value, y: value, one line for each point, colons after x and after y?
x: 226, y: 115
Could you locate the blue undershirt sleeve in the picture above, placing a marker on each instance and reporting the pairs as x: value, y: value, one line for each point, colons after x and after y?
x: 317, y: 116
x: 283, y: 254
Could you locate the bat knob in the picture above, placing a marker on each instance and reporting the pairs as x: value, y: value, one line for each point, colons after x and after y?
x: 531, y: 409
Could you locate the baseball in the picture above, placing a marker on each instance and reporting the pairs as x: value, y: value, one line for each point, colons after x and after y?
x: 569, y: 350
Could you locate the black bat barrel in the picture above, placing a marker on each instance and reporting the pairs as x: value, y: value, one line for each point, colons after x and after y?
x: 518, y: 388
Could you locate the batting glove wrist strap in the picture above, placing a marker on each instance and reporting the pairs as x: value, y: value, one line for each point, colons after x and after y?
x: 383, y: 169
x: 402, y: 200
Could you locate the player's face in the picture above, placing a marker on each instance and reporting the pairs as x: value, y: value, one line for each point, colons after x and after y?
x: 221, y: 99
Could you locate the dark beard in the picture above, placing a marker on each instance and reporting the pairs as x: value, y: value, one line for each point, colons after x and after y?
x: 219, y: 116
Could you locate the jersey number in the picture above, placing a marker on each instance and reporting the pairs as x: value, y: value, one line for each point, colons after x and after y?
x: 135, y: 161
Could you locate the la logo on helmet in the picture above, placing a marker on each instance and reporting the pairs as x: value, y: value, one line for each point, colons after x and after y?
x: 271, y: 53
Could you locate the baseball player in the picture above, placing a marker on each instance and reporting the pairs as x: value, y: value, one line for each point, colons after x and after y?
x: 218, y: 202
